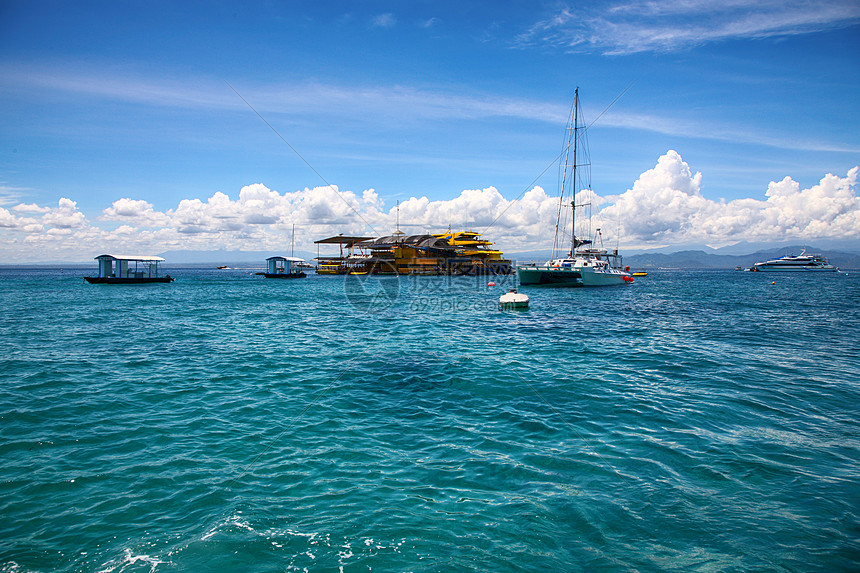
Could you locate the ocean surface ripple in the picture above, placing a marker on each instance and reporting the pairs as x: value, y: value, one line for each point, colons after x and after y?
x: 691, y: 421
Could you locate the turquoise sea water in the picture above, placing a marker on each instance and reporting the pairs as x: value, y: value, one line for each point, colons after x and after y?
x: 691, y: 421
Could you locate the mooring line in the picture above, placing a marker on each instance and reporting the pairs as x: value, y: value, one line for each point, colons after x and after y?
x: 330, y: 186
x: 554, y: 161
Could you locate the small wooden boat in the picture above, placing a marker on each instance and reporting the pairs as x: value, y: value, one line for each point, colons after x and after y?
x: 117, y: 270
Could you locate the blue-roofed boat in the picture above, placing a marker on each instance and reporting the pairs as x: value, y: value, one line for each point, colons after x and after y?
x: 128, y: 269
x: 284, y: 268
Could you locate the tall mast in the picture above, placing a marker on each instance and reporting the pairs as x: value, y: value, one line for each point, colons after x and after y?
x: 564, y: 165
x: 573, y: 178
x: 398, y: 233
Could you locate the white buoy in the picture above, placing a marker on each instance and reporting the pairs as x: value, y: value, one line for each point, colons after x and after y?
x: 513, y: 299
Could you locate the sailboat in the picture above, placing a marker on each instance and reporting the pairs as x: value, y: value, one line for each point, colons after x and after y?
x: 583, y: 264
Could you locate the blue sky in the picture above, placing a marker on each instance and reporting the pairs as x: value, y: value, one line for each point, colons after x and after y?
x: 121, y: 130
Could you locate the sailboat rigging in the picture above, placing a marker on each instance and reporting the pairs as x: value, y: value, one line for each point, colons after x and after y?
x: 578, y: 266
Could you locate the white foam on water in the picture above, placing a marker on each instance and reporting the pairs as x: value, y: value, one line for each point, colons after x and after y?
x: 131, y: 559
x: 232, y: 521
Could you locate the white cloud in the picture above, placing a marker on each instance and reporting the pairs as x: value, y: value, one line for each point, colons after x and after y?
x: 354, y: 101
x: 30, y: 208
x: 19, y: 224
x: 7, y: 219
x: 66, y: 216
x: 9, y: 194
x: 386, y: 20
x: 393, y: 104
x: 644, y: 25
x: 134, y: 211
x: 663, y: 203
x: 664, y: 206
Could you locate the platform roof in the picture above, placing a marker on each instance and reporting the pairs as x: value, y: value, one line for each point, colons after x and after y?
x: 423, y: 241
x: 293, y: 259
x: 142, y: 258
x: 342, y: 240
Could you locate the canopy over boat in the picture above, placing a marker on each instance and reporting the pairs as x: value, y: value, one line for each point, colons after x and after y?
x: 291, y: 259
x: 117, y: 269
x: 140, y: 258
x: 342, y: 240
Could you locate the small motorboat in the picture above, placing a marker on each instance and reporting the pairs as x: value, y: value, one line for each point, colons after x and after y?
x: 513, y: 299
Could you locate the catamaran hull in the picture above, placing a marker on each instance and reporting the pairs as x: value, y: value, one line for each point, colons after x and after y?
x: 284, y: 275
x: 572, y: 277
x: 610, y: 278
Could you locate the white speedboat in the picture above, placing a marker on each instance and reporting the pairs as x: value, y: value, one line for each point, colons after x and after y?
x: 796, y: 263
x: 513, y: 300
x: 579, y: 266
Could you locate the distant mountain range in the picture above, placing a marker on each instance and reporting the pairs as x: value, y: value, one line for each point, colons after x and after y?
x: 703, y: 260
x: 699, y: 259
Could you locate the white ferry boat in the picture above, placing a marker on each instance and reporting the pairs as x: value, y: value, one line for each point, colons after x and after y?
x: 796, y: 263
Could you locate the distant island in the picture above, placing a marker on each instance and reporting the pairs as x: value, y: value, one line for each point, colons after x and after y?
x: 698, y: 259
x: 703, y: 260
